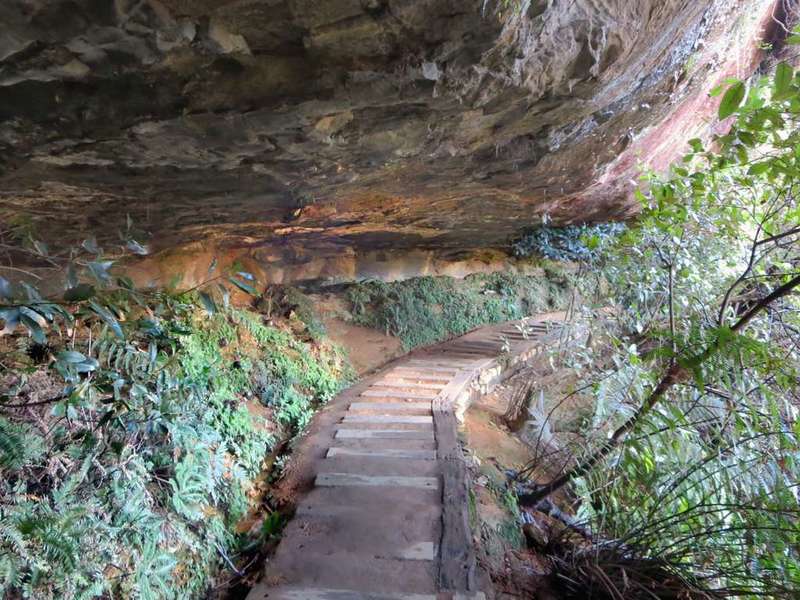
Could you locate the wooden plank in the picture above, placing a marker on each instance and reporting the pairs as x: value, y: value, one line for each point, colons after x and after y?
x: 457, y: 562
x: 384, y: 434
x: 436, y: 363
x: 394, y: 400
x: 295, y: 592
x: 426, y: 367
x: 406, y: 419
x: 307, y: 593
x: 391, y: 406
x: 371, y: 393
x: 382, y: 453
x: 354, y: 479
x: 409, y: 384
x: 410, y: 373
x: 417, y: 551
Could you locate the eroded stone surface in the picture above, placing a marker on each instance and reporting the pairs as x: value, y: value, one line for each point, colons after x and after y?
x: 306, y: 130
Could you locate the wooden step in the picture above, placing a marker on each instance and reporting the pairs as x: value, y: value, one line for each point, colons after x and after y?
x: 356, y: 480
x: 371, y: 393
x: 406, y: 419
x: 407, y: 373
x: 408, y: 384
x: 307, y: 593
x: 338, y: 451
x: 385, y: 434
x: 392, y: 407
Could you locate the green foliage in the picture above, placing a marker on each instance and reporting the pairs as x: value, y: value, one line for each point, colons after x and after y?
x: 129, y: 483
x: 706, y: 482
x: 425, y: 310
x: 572, y: 242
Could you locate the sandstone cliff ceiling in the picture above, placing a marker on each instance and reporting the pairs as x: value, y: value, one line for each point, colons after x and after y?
x: 329, y: 126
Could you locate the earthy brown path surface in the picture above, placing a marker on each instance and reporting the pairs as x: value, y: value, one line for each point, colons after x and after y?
x: 386, y: 516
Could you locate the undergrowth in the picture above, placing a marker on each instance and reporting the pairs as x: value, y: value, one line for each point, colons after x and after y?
x: 424, y: 310
x: 127, y: 461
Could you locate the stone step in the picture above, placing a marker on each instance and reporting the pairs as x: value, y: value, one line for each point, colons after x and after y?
x: 385, y: 434
x: 338, y: 451
x: 372, y: 393
x: 392, y: 481
x: 391, y: 407
x: 406, y: 419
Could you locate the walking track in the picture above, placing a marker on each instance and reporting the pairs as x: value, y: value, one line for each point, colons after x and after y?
x: 386, y: 514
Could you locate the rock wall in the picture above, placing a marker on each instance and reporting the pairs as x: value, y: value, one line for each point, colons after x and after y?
x: 315, y: 130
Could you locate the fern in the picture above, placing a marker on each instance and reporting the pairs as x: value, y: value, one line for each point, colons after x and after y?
x: 19, y: 445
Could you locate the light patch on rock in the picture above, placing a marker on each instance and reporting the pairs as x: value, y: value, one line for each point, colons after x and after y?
x: 330, y: 125
x: 230, y: 43
x: 431, y: 71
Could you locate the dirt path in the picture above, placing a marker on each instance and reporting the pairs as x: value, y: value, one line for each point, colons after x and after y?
x: 384, y: 511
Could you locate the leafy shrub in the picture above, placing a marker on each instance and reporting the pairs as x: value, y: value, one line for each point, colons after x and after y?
x: 691, y: 467
x: 572, y: 242
x: 424, y: 310
x: 129, y: 480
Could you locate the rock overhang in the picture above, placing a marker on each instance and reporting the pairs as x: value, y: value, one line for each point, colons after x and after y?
x: 312, y: 130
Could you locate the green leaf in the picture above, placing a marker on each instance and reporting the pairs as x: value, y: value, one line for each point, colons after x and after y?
x: 90, y: 245
x: 716, y: 91
x: 731, y: 100
x: 125, y: 282
x: 245, y: 287
x: 109, y: 318
x: 793, y: 40
x: 783, y: 81
x: 137, y: 248
x: 226, y: 295
x: 79, y: 293
x: 33, y: 328
x: 87, y: 366
x: 70, y: 356
x: 759, y: 168
x: 100, y: 270
x: 696, y: 144
x: 208, y: 303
